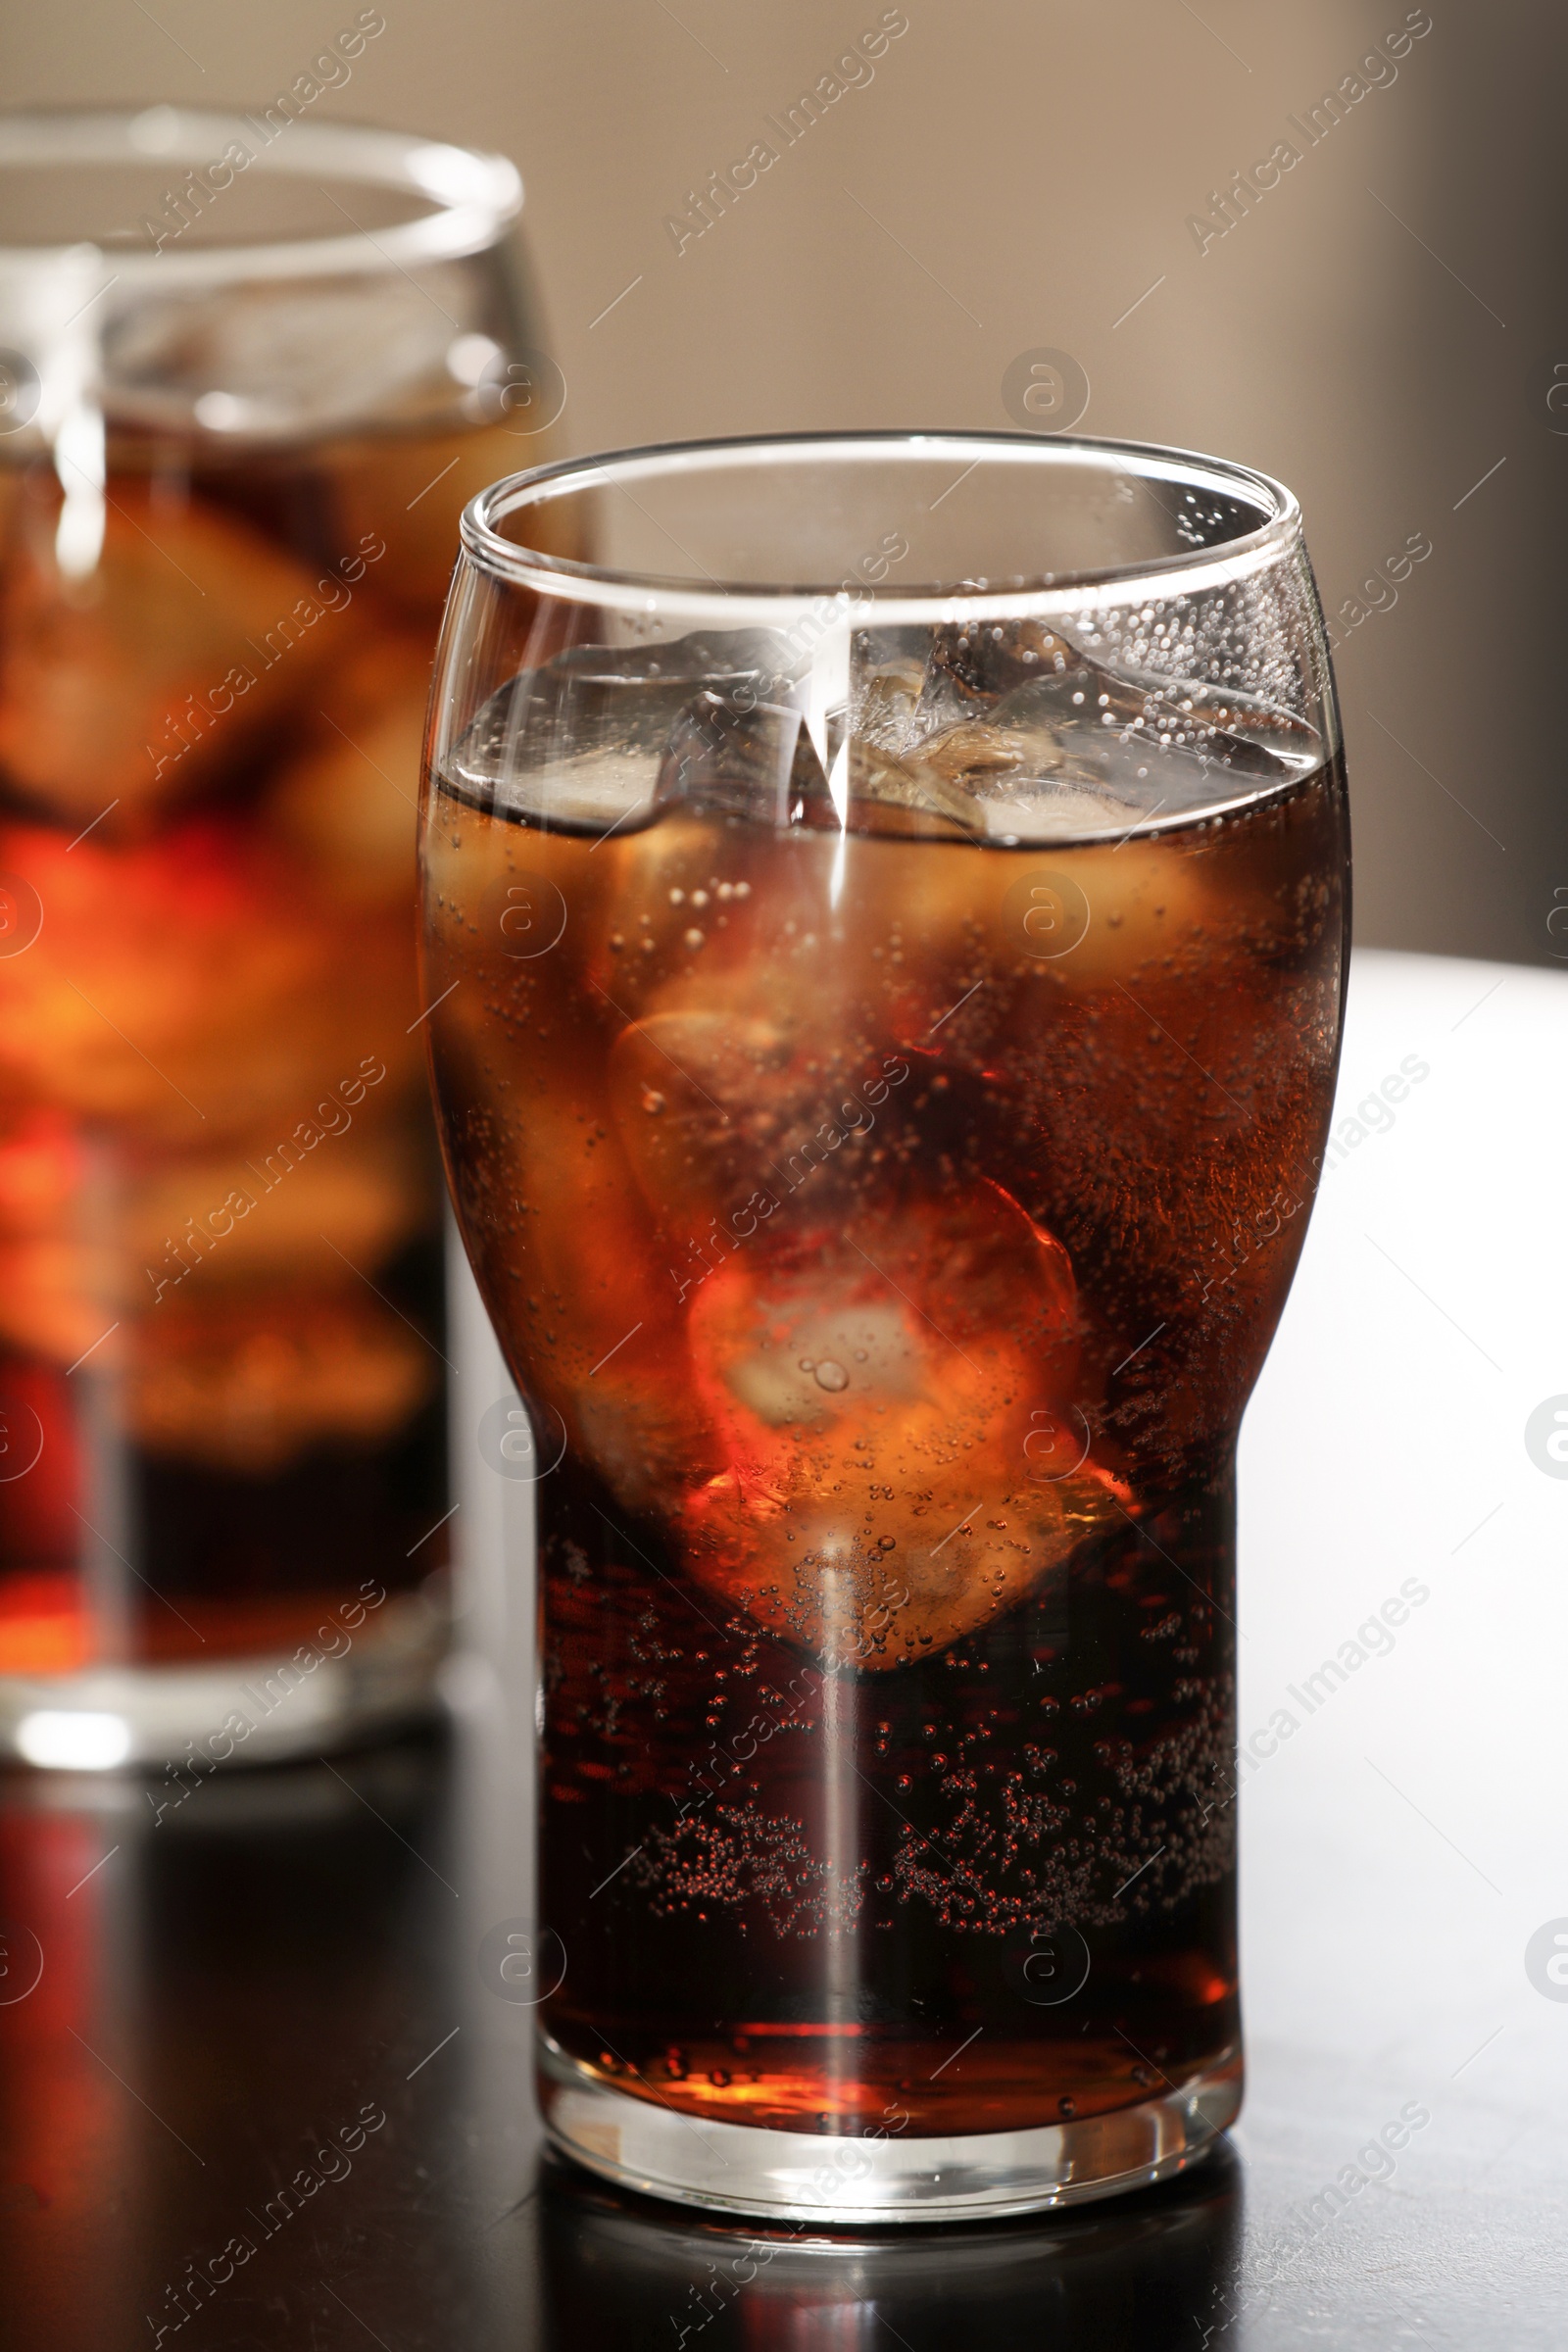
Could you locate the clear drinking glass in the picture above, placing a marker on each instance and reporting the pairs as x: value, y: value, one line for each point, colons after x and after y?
x: 253, y: 367
x: 885, y: 915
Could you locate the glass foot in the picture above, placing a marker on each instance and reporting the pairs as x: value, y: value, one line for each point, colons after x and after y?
x: 788, y: 2175
x: 258, y: 1709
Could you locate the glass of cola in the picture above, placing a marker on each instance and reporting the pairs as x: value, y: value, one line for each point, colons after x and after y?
x: 252, y: 368
x: 885, y: 910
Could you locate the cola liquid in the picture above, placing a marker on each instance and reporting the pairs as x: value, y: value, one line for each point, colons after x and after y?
x: 883, y: 1146
x: 220, y: 1297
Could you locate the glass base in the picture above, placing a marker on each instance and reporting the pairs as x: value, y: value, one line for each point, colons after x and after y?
x: 790, y: 2176
x: 245, y: 1710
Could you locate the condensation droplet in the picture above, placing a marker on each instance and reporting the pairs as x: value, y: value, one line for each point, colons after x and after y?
x: 653, y: 1101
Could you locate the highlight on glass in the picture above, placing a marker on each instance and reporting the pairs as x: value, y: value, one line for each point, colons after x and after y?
x: 885, y: 920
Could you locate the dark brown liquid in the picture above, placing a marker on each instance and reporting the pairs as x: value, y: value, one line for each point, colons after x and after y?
x: 893, y: 1289
x: 221, y: 1315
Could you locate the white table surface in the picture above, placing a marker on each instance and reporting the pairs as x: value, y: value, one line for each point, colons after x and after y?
x: 1401, y: 1846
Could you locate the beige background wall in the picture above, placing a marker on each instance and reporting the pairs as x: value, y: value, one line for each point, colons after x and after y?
x: 1379, y: 330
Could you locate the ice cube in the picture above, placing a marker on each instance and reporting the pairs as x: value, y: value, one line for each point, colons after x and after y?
x: 706, y: 1102
x: 190, y: 988
x: 141, y: 683
x: 360, y: 1193
x: 581, y: 742
x: 884, y: 711
x: 875, y: 1405
x: 250, y: 1381
x: 1016, y: 734
x: 971, y: 665
x: 731, y: 1092
x: 86, y: 1240
x: 732, y: 753
x: 551, y: 1205
x: 747, y: 757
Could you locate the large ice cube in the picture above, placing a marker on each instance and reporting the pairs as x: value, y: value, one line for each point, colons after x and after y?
x: 875, y: 1399
x: 141, y: 683
x: 580, y: 743
x: 1015, y: 733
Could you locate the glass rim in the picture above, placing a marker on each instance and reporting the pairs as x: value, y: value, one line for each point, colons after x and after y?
x: 474, y: 196
x: 637, y: 591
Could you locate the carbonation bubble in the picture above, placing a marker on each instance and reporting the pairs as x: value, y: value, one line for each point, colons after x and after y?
x: 831, y: 1375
